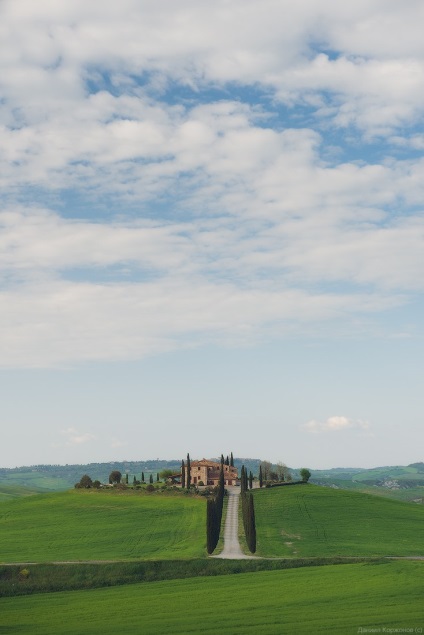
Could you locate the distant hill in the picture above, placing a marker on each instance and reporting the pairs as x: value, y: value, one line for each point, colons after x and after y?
x: 400, y: 482
x: 7, y: 492
x: 61, y: 477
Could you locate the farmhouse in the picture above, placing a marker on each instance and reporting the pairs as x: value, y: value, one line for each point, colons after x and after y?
x: 207, y: 472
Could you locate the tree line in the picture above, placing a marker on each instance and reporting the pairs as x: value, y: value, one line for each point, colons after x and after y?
x: 116, y: 478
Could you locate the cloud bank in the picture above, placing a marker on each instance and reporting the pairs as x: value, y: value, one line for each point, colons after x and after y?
x: 163, y: 187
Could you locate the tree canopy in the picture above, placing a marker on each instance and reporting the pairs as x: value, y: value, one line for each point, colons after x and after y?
x: 115, y: 477
x: 85, y: 482
x: 305, y: 474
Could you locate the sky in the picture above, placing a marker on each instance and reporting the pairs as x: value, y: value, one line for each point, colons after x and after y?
x: 212, y: 231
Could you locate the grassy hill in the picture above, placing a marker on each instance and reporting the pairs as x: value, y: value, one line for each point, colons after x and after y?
x: 9, y: 492
x: 308, y: 520
x: 101, y: 525
x: 399, y: 482
x: 144, y: 532
x: 331, y: 599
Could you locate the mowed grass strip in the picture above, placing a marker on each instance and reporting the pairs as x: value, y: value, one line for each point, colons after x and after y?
x: 101, y: 525
x: 333, y: 599
x: 309, y: 520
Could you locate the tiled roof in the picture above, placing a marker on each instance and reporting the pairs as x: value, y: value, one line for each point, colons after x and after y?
x: 205, y: 462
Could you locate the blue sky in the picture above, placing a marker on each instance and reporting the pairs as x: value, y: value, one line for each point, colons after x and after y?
x: 211, y: 231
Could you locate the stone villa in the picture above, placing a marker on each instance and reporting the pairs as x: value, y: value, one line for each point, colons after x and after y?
x: 207, y: 472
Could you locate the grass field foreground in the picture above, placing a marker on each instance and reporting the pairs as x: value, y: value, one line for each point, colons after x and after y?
x: 101, y: 525
x: 333, y: 599
x: 309, y: 520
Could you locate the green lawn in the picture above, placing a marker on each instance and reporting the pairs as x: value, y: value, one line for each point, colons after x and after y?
x: 309, y: 520
x: 333, y: 599
x: 101, y: 525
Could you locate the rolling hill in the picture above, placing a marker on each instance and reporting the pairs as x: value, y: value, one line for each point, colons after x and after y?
x: 399, y: 482
x: 101, y: 525
x: 309, y: 520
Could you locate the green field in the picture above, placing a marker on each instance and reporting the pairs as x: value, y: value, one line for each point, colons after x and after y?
x: 157, y: 542
x: 8, y: 492
x: 308, y: 520
x: 332, y: 599
x: 407, y: 494
x: 36, y: 480
x: 101, y: 525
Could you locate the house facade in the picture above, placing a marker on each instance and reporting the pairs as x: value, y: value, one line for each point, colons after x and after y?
x: 207, y: 472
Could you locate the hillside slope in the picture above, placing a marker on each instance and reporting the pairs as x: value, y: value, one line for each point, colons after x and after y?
x: 309, y: 520
x: 101, y: 525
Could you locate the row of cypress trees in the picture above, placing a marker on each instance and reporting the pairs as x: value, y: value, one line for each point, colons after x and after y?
x: 214, y: 513
x: 247, y: 509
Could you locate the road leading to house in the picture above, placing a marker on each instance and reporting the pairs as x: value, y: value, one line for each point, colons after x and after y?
x: 232, y: 549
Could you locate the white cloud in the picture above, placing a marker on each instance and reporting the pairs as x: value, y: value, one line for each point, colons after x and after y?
x: 374, y: 78
x: 335, y: 424
x: 117, y: 443
x: 59, y: 322
x: 74, y: 437
x: 219, y: 222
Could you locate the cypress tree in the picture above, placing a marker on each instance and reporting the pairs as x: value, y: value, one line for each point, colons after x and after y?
x: 126, y: 478
x: 252, y: 525
x: 157, y: 477
x: 242, y: 479
x: 261, y: 479
x: 142, y: 477
x: 248, y: 514
x: 221, y: 483
x: 244, y: 484
x: 214, y: 513
x: 220, y: 498
x: 250, y: 479
x: 151, y: 478
x: 210, y: 525
x: 231, y: 460
x: 227, y: 461
x: 183, y: 475
x: 134, y: 481
x: 188, y: 472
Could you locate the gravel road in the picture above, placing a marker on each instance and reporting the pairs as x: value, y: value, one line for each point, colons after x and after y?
x: 232, y: 550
